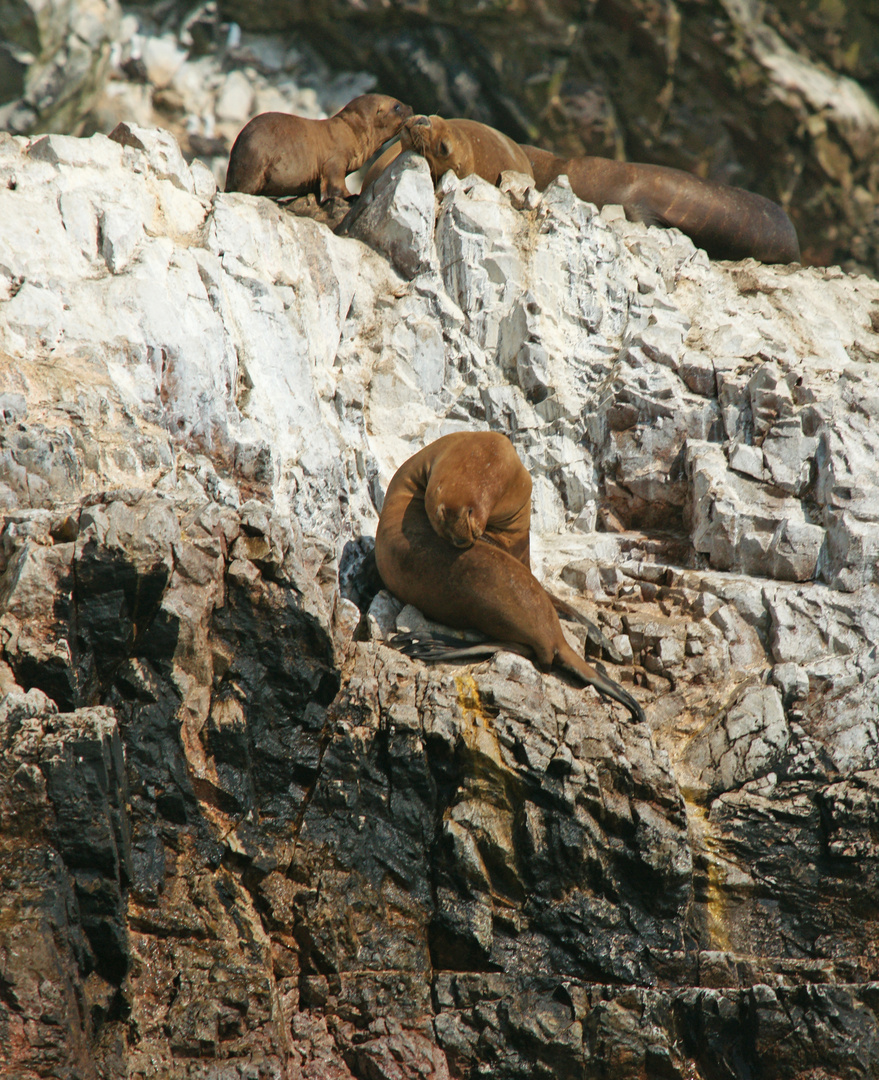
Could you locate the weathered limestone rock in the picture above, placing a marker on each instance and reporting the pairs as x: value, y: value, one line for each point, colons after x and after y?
x: 396, y: 217
x: 246, y: 834
x: 54, y: 59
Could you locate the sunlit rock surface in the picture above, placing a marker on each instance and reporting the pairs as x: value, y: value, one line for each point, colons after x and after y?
x: 243, y: 836
x: 55, y: 58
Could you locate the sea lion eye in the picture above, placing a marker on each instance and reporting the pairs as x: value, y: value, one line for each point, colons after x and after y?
x: 444, y: 148
x: 397, y: 107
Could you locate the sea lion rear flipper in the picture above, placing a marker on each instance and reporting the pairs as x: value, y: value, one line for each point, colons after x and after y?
x: 597, y: 677
x: 607, y: 688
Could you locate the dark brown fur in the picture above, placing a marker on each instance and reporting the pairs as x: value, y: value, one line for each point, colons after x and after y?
x: 279, y: 154
x: 728, y: 222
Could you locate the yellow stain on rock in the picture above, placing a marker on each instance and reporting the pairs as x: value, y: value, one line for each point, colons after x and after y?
x: 469, y: 701
x: 717, y: 916
x: 477, y: 729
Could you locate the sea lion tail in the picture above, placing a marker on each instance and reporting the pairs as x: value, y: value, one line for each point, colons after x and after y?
x: 598, y: 639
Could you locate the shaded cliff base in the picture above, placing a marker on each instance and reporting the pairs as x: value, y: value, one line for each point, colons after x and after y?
x: 422, y: 872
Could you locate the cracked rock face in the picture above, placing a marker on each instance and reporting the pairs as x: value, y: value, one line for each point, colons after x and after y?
x: 243, y: 836
x: 55, y: 58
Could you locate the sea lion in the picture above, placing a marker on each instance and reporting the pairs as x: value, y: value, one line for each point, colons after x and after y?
x: 450, y: 542
x: 280, y: 154
x: 464, y: 146
x: 490, y: 499
x: 728, y: 222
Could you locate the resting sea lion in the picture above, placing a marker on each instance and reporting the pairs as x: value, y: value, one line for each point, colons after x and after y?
x: 728, y: 222
x: 280, y: 154
x: 450, y: 542
x: 464, y: 146
x: 490, y: 499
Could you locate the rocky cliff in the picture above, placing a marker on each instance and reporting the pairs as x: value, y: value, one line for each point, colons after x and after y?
x: 241, y: 835
x: 777, y: 96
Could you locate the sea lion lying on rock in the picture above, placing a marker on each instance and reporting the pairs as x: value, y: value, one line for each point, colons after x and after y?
x: 452, y: 541
x: 279, y: 154
x: 462, y: 146
x: 728, y: 222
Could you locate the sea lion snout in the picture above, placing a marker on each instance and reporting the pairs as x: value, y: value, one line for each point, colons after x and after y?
x: 464, y: 531
x: 416, y: 133
x: 459, y: 527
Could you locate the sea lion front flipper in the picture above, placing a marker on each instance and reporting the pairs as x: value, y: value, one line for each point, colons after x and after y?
x: 332, y: 180
x: 435, y: 646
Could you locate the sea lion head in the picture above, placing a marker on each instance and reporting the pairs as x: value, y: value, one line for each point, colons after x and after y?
x: 461, y: 525
x: 384, y: 114
x: 431, y: 137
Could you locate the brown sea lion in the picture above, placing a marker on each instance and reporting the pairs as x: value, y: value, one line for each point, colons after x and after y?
x: 280, y: 154
x: 464, y: 147
x: 490, y: 500
x: 450, y: 542
x: 728, y: 222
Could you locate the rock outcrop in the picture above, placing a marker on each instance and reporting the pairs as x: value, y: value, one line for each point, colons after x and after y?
x: 771, y: 97
x: 55, y: 58
x: 243, y: 836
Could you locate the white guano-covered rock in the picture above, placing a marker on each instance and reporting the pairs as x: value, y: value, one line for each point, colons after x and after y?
x: 717, y: 420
